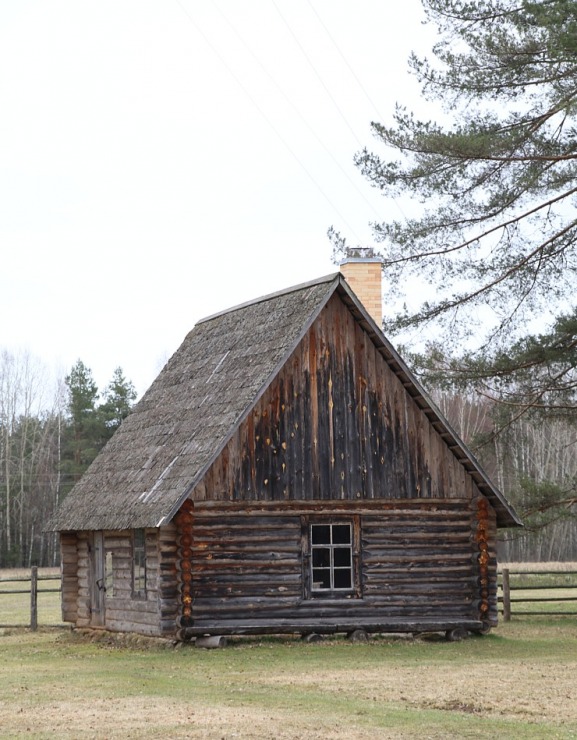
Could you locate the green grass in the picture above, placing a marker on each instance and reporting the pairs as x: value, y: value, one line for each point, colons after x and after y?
x: 15, y: 607
x: 531, y: 580
x: 515, y: 682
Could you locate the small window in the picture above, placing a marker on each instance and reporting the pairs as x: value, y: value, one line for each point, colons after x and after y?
x: 331, y: 557
x: 139, y: 564
x: 109, y: 574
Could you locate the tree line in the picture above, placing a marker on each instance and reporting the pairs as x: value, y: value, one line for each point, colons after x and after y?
x: 532, y: 460
x: 49, y: 434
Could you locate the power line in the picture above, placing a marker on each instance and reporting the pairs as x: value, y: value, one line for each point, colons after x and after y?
x: 296, y: 110
x: 317, y: 75
x: 359, y: 83
x: 265, y: 117
x: 351, y: 70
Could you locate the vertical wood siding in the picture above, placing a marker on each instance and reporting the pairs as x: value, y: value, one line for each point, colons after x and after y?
x: 84, y: 575
x: 69, y: 573
x: 336, y: 423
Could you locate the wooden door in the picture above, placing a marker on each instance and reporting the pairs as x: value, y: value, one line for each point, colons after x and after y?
x: 97, y: 584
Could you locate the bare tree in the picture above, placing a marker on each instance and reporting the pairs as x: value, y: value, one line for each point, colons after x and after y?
x: 26, y: 434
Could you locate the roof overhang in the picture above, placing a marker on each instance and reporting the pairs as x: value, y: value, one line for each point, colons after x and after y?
x: 506, y: 514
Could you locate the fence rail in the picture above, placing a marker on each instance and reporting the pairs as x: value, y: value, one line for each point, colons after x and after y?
x: 34, y: 589
x: 517, y: 591
x: 517, y: 587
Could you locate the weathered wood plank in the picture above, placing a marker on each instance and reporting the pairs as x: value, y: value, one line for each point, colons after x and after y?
x: 417, y: 558
x: 336, y: 423
x: 346, y: 624
x: 439, y: 506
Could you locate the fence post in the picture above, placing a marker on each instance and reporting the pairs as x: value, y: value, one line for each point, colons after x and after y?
x: 506, y: 596
x: 34, y: 598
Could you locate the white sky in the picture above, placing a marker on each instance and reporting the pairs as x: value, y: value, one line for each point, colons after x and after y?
x: 161, y: 160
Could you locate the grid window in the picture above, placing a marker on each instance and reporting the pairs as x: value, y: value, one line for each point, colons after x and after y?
x: 331, y: 557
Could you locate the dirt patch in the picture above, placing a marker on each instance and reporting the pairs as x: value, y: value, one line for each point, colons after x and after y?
x: 116, y: 719
x: 121, y: 639
x: 543, y: 696
x: 531, y: 691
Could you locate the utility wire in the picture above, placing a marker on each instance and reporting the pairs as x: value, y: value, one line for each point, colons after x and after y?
x: 345, y: 60
x: 317, y: 75
x: 296, y: 110
x: 266, y: 118
x: 359, y: 83
x: 342, y: 115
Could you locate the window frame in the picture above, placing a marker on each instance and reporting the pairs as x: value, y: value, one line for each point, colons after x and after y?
x: 139, y: 573
x: 307, y: 524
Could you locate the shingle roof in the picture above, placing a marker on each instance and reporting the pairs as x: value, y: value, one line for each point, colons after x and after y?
x: 182, y: 422
x: 179, y: 427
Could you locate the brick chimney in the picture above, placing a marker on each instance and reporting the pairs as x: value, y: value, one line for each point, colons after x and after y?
x: 362, y: 271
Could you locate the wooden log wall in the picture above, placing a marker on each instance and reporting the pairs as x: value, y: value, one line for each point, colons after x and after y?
x: 419, y: 561
x: 156, y: 614
x: 83, y: 618
x: 169, y: 600
x: 422, y: 560
x: 123, y: 612
x: 69, y: 574
x: 336, y: 423
x: 486, y: 538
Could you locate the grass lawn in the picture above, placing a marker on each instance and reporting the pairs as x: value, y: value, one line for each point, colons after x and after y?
x: 517, y: 682
x: 15, y: 607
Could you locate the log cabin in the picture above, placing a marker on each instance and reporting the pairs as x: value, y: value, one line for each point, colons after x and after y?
x: 285, y: 473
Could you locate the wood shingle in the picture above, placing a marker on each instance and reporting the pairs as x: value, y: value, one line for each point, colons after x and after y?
x: 193, y: 407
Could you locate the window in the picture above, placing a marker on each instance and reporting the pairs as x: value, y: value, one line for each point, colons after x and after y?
x: 139, y: 564
x: 331, y: 557
x: 109, y: 574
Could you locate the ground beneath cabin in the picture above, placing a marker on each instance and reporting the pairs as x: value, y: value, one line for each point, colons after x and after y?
x: 542, y: 696
x: 414, y: 690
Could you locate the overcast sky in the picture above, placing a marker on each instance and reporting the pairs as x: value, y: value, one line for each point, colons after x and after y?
x: 161, y: 160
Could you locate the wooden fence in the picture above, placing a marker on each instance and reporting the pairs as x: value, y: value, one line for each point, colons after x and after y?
x: 521, y: 593
x: 34, y: 587
x: 525, y: 593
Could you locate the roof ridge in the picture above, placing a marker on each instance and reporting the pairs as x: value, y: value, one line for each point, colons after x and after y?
x: 271, y: 296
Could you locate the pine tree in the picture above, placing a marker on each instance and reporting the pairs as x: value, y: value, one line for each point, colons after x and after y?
x: 91, y: 424
x: 119, y: 398
x: 496, y: 179
x: 85, y: 430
